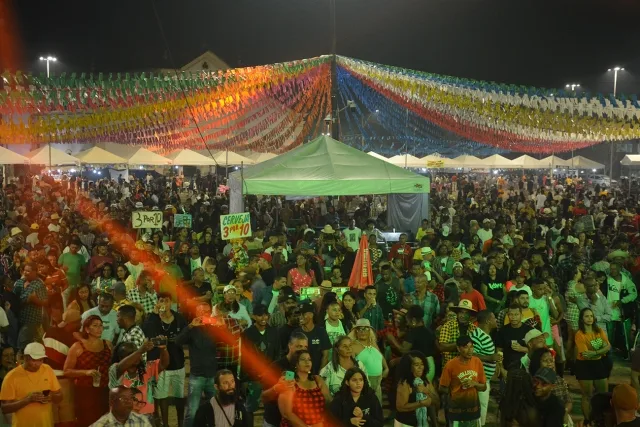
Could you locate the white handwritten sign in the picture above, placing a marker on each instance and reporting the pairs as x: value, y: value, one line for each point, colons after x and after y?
x: 146, y: 219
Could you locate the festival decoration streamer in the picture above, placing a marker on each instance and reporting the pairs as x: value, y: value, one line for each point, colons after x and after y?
x: 279, y: 106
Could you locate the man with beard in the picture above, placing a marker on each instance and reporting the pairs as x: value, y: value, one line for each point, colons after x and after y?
x: 225, y: 408
x: 264, y: 339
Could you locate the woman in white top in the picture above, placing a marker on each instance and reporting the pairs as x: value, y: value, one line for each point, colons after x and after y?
x: 232, y: 308
x: 341, y: 360
x: 367, y: 352
x: 332, y: 322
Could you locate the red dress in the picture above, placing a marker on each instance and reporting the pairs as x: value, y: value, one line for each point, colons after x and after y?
x: 299, y: 281
x: 92, y: 402
x: 308, y: 405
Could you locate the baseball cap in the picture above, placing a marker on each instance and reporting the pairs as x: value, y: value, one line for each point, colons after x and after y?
x: 624, y: 397
x: 533, y: 334
x: 426, y: 251
x: 457, y: 264
x: 35, y: 350
x: 229, y: 288
x: 547, y: 375
x: 139, y: 205
x: 265, y: 256
x: 307, y: 308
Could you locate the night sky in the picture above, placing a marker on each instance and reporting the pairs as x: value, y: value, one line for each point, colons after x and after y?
x: 540, y: 43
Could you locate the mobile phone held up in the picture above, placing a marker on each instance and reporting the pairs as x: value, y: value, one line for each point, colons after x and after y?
x: 289, y: 375
x: 158, y: 341
x: 211, y: 320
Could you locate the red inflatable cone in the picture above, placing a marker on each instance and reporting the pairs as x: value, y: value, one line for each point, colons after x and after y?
x: 361, y: 275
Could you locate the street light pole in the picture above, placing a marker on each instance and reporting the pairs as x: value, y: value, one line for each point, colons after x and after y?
x: 49, y: 59
x: 615, y: 89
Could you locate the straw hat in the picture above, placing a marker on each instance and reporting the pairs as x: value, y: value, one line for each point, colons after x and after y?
x: 464, y: 304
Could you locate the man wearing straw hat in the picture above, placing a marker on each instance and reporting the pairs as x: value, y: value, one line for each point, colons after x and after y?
x: 455, y: 328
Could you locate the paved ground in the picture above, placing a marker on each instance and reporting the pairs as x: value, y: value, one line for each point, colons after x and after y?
x: 621, y: 374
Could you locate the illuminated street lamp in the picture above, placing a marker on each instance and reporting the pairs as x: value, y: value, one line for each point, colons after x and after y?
x: 48, y: 59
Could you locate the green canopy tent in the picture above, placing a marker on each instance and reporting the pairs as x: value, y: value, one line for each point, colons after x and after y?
x: 326, y: 167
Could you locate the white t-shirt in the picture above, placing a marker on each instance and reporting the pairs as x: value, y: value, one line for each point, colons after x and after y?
x: 353, y: 237
x: 334, y: 332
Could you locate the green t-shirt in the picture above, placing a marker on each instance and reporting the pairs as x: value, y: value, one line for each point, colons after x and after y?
x: 74, y: 264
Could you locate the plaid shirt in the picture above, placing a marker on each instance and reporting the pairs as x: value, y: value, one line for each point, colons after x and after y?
x: 375, y: 316
x: 228, y: 354
x: 134, y: 420
x: 30, y: 314
x: 148, y: 302
x: 429, y: 304
x: 135, y: 336
x: 449, y: 333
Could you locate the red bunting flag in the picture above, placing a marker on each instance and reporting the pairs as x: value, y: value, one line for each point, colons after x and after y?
x: 361, y: 275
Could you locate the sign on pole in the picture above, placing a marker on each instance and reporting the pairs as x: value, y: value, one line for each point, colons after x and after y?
x: 182, y: 221
x: 146, y: 219
x: 235, y: 226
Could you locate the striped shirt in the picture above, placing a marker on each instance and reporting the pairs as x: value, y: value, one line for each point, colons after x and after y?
x: 483, y: 346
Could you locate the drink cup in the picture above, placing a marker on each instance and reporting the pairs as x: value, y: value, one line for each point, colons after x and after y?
x: 96, y: 379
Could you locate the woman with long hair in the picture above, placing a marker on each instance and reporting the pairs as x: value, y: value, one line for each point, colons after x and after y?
x: 341, y: 359
x: 208, y: 247
x: 301, y: 276
x: 543, y: 358
x: 123, y: 275
x: 518, y: 406
x: 231, y: 307
x: 349, y: 317
x: 209, y: 266
x: 304, y: 405
x: 366, y: 350
x: 591, y: 368
x: 81, y: 301
x: 356, y: 403
x: 104, y: 281
x: 128, y: 369
x: 416, y: 400
x: 493, y: 290
x: 88, y: 362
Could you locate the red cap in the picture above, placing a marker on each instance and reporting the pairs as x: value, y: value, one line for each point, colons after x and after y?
x: 265, y: 256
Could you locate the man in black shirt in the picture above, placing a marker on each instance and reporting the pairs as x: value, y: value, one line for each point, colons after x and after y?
x: 551, y: 407
x: 319, y: 343
x: 510, y: 340
x: 272, y: 417
x: 202, y: 351
x: 284, y: 332
x: 166, y: 322
x: 624, y: 400
x: 265, y: 341
x: 419, y: 337
x: 267, y: 272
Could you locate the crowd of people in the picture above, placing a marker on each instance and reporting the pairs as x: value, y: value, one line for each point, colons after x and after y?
x: 512, y: 284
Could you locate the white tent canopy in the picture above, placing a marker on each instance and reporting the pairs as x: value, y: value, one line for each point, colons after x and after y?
x: 580, y: 162
x: 99, y: 156
x: 406, y: 160
x: 229, y: 158
x: 631, y: 160
x: 378, y: 156
x: 258, y: 157
x: 8, y: 157
x: 465, y: 161
x: 42, y: 156
x: 552, y: 161
x: 145, y: 157
x: 528, y: 162
x: 186, y: 157
x: 497, y: 161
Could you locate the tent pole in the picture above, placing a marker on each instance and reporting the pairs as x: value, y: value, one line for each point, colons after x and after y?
x: 49, y: 144
x: 227, y: 163
x: 241, y: 187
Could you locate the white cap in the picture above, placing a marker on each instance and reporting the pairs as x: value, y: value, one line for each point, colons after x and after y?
x: 35, y: 350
